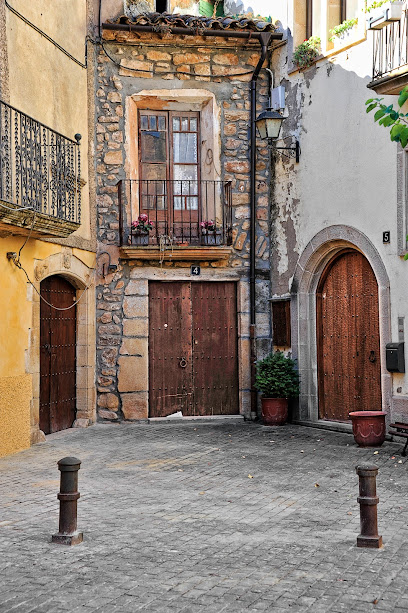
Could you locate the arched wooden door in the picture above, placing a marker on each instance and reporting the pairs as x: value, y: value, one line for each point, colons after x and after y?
x: 57, y: 355
x: 348, y: 338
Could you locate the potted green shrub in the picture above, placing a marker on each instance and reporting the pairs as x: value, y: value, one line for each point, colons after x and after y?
x: 277, y: 379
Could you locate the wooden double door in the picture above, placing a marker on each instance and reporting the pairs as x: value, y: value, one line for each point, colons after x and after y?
x: 57, y: 355
x: 193, y: 366
x: 348, y: 338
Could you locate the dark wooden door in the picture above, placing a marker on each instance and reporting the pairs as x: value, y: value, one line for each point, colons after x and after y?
x: 57, y: 355
x: 193, y: 349
x: 349, y: 370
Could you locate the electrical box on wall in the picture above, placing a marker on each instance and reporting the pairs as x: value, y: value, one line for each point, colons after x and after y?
x: 395, y: 357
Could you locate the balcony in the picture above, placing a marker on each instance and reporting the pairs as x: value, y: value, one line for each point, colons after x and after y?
x: 189, y: 220
x: 390, y: 57
x: 40, y: 188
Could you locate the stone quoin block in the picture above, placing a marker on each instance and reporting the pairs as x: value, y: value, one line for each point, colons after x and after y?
x: 133, y: 375
x: 135, y: 405
x: 136, y: 327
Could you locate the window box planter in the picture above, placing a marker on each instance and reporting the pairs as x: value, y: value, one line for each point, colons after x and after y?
x: 348, y: 37
x: 211, y: 237
x: 140, y: 238
x: 384, y: 15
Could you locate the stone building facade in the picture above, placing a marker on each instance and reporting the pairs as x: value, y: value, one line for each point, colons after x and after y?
x: 152, y: 74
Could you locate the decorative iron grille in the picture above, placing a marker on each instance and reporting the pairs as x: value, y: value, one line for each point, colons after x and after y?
x: 390, y: 50
x: 181, y: 212
x: 39, y: 168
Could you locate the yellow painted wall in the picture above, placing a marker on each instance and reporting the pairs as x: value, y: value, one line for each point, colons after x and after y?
x: 15, y: 401
x: 43, y: 82
x: 16, y: 310
x: 48, y: 86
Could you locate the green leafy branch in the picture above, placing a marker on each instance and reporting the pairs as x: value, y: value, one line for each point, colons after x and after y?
x: 376, y: 5
x: 388, y: 117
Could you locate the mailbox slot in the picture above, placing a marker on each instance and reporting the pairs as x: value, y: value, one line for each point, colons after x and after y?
x: 395, y: 357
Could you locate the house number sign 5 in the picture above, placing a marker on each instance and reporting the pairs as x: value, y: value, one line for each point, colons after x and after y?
x: 386, y: 237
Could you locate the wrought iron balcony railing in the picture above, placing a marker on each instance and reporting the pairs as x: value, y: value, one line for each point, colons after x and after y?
x: 39, y: 171
x: 390, y: 50
x: 180, y: 212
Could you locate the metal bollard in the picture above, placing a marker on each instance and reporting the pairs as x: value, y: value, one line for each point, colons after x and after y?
x: 368, y: 501
x: 68, y: 497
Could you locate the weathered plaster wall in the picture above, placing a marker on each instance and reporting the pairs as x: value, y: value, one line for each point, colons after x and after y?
x: 122, y: 344
x: 348, y: 175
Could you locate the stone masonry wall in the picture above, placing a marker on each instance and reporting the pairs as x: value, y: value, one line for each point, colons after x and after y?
x: 122, y: 297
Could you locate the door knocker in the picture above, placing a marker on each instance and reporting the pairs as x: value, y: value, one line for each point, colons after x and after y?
x: 183, y: 363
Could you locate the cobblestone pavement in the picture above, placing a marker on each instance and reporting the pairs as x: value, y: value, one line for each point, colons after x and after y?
x: 202, y: 518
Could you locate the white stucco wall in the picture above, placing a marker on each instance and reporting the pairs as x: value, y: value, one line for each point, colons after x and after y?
x: 347, y: 173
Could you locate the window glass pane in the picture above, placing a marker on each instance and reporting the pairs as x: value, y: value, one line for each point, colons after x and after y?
x: 176, y: 124
x: 316, y: 13
x: 193, y: 124
x: 185, y: 180
x: 333, y: 14
x: 185, y: 148
x: 192, y: 203
x: 161, y: 123
x: 152, y: 122
x: 351, y: 9
x: 153, y: 145
x: 143, y: 122
x: 184, y: 124
x: 161, y: 203
x: 148, y: 202
x: 153, y: 195
x: 177, y: 203
x: 153, y: 172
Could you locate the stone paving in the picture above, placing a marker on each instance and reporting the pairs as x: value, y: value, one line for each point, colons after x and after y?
x: 202, y: 517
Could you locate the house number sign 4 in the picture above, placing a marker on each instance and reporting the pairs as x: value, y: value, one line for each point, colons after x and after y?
x: 195, y: 271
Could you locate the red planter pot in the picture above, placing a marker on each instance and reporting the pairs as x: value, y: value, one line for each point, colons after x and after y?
x: 274, y: 411
x: 368, y: 428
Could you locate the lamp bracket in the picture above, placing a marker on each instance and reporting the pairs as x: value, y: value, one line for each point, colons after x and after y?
x: 293, y: 152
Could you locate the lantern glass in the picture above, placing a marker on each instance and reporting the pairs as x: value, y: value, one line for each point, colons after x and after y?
x: 269, y: 124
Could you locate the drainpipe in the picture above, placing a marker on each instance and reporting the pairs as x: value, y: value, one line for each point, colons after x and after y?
x: 264, y: 39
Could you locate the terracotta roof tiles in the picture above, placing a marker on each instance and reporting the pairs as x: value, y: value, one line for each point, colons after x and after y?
x: 199, y: 22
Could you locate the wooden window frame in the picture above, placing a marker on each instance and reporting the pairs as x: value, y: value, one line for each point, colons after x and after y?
x: 309, y: 16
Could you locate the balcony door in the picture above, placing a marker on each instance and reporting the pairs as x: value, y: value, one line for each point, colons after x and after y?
x: 169, y: 171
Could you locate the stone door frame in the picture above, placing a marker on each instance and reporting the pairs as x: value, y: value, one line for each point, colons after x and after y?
x: 133, y: 376
x: 313, y: 260
x: 70, y: 267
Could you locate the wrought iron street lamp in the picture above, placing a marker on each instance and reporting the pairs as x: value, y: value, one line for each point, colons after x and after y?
x: 269, y: 123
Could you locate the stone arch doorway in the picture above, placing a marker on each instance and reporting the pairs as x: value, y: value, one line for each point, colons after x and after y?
x: 79, y: 275
x: 312, y: 262
x: 58, y: 322
x: 348, y: 338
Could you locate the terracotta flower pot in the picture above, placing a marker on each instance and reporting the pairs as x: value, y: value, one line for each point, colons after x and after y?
x: 274, y: 411
x: 368, y: 428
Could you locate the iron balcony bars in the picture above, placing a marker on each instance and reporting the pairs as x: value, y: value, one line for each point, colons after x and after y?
x: 183, y: 212
x: 39, y: 168
x: 390, y: 50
